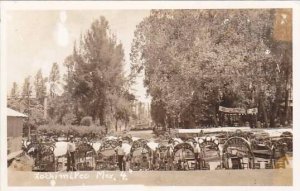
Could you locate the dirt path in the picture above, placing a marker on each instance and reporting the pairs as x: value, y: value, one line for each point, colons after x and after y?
x: 144, y: 134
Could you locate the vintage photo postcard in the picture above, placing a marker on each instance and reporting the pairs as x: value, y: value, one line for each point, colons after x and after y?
x: 109, y: 93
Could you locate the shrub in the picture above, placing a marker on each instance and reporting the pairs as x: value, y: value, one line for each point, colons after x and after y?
x: 68, y: 119
x: 78, y: 131
x: 86, y: 121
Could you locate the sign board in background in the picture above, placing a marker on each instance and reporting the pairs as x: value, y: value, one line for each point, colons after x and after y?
x: 250, y: 111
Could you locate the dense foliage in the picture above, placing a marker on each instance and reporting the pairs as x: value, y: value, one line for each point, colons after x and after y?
x: 75, y: 130
x: 197, y: 60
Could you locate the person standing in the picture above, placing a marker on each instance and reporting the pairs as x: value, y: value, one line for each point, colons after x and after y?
x: 201, y: 157
x: 273, y: 151
x: 120, y: 151
x: 197, y: 155
x: 71, y: 147
x: 155, y: 159
x: 145, y: 157
x: 145, y: 151
x: 169, y: 158
x: 183, y: 161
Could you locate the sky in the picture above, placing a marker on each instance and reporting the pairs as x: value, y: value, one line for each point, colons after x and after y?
x: 37, y: 39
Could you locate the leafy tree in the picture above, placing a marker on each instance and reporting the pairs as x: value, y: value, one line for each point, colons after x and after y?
x: 123, y: 112
x: 13, y: 100
x: 158, y: 112
x: 196, y: 60
x: 95, y: 76
x: 54, y: 79
x: 40, y: 87
x: 58, y: 104
x: 36, y: 111
x: 61, y: 110
x: 14, y: 93
x: 26, y: 95
x: 27, y: 103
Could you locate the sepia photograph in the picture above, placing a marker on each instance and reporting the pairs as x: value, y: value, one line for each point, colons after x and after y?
x: 152, y: 97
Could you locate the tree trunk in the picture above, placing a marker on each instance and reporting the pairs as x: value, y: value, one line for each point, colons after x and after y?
x: 273, y: 114
x: 214, y: 116
x: 286, y: 107
x: 116, y: 125
x: 286, y: 102
x: 192, y: 123
x: 287, y: 85
x: 275, y: 106
x: 264, y: 112
x: 164, y: 127
x: 101, y: 119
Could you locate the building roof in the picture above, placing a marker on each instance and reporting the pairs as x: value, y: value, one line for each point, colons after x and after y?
x: 13, y: 113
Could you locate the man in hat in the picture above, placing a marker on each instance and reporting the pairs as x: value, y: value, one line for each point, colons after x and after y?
x: 197, y: 155
x: 120, y: 151
x: 71, y: 147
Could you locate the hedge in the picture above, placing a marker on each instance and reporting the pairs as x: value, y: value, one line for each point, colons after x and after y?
x: 60, y: 130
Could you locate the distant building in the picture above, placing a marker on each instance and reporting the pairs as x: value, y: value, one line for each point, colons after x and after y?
x: 15, y: 121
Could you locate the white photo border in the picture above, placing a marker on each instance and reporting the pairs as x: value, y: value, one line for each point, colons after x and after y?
x: 126, y: 5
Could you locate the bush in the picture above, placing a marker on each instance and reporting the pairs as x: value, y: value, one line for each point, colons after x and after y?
x: 86, y: 121
x: 68, y: 119
x: 77, y: 131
